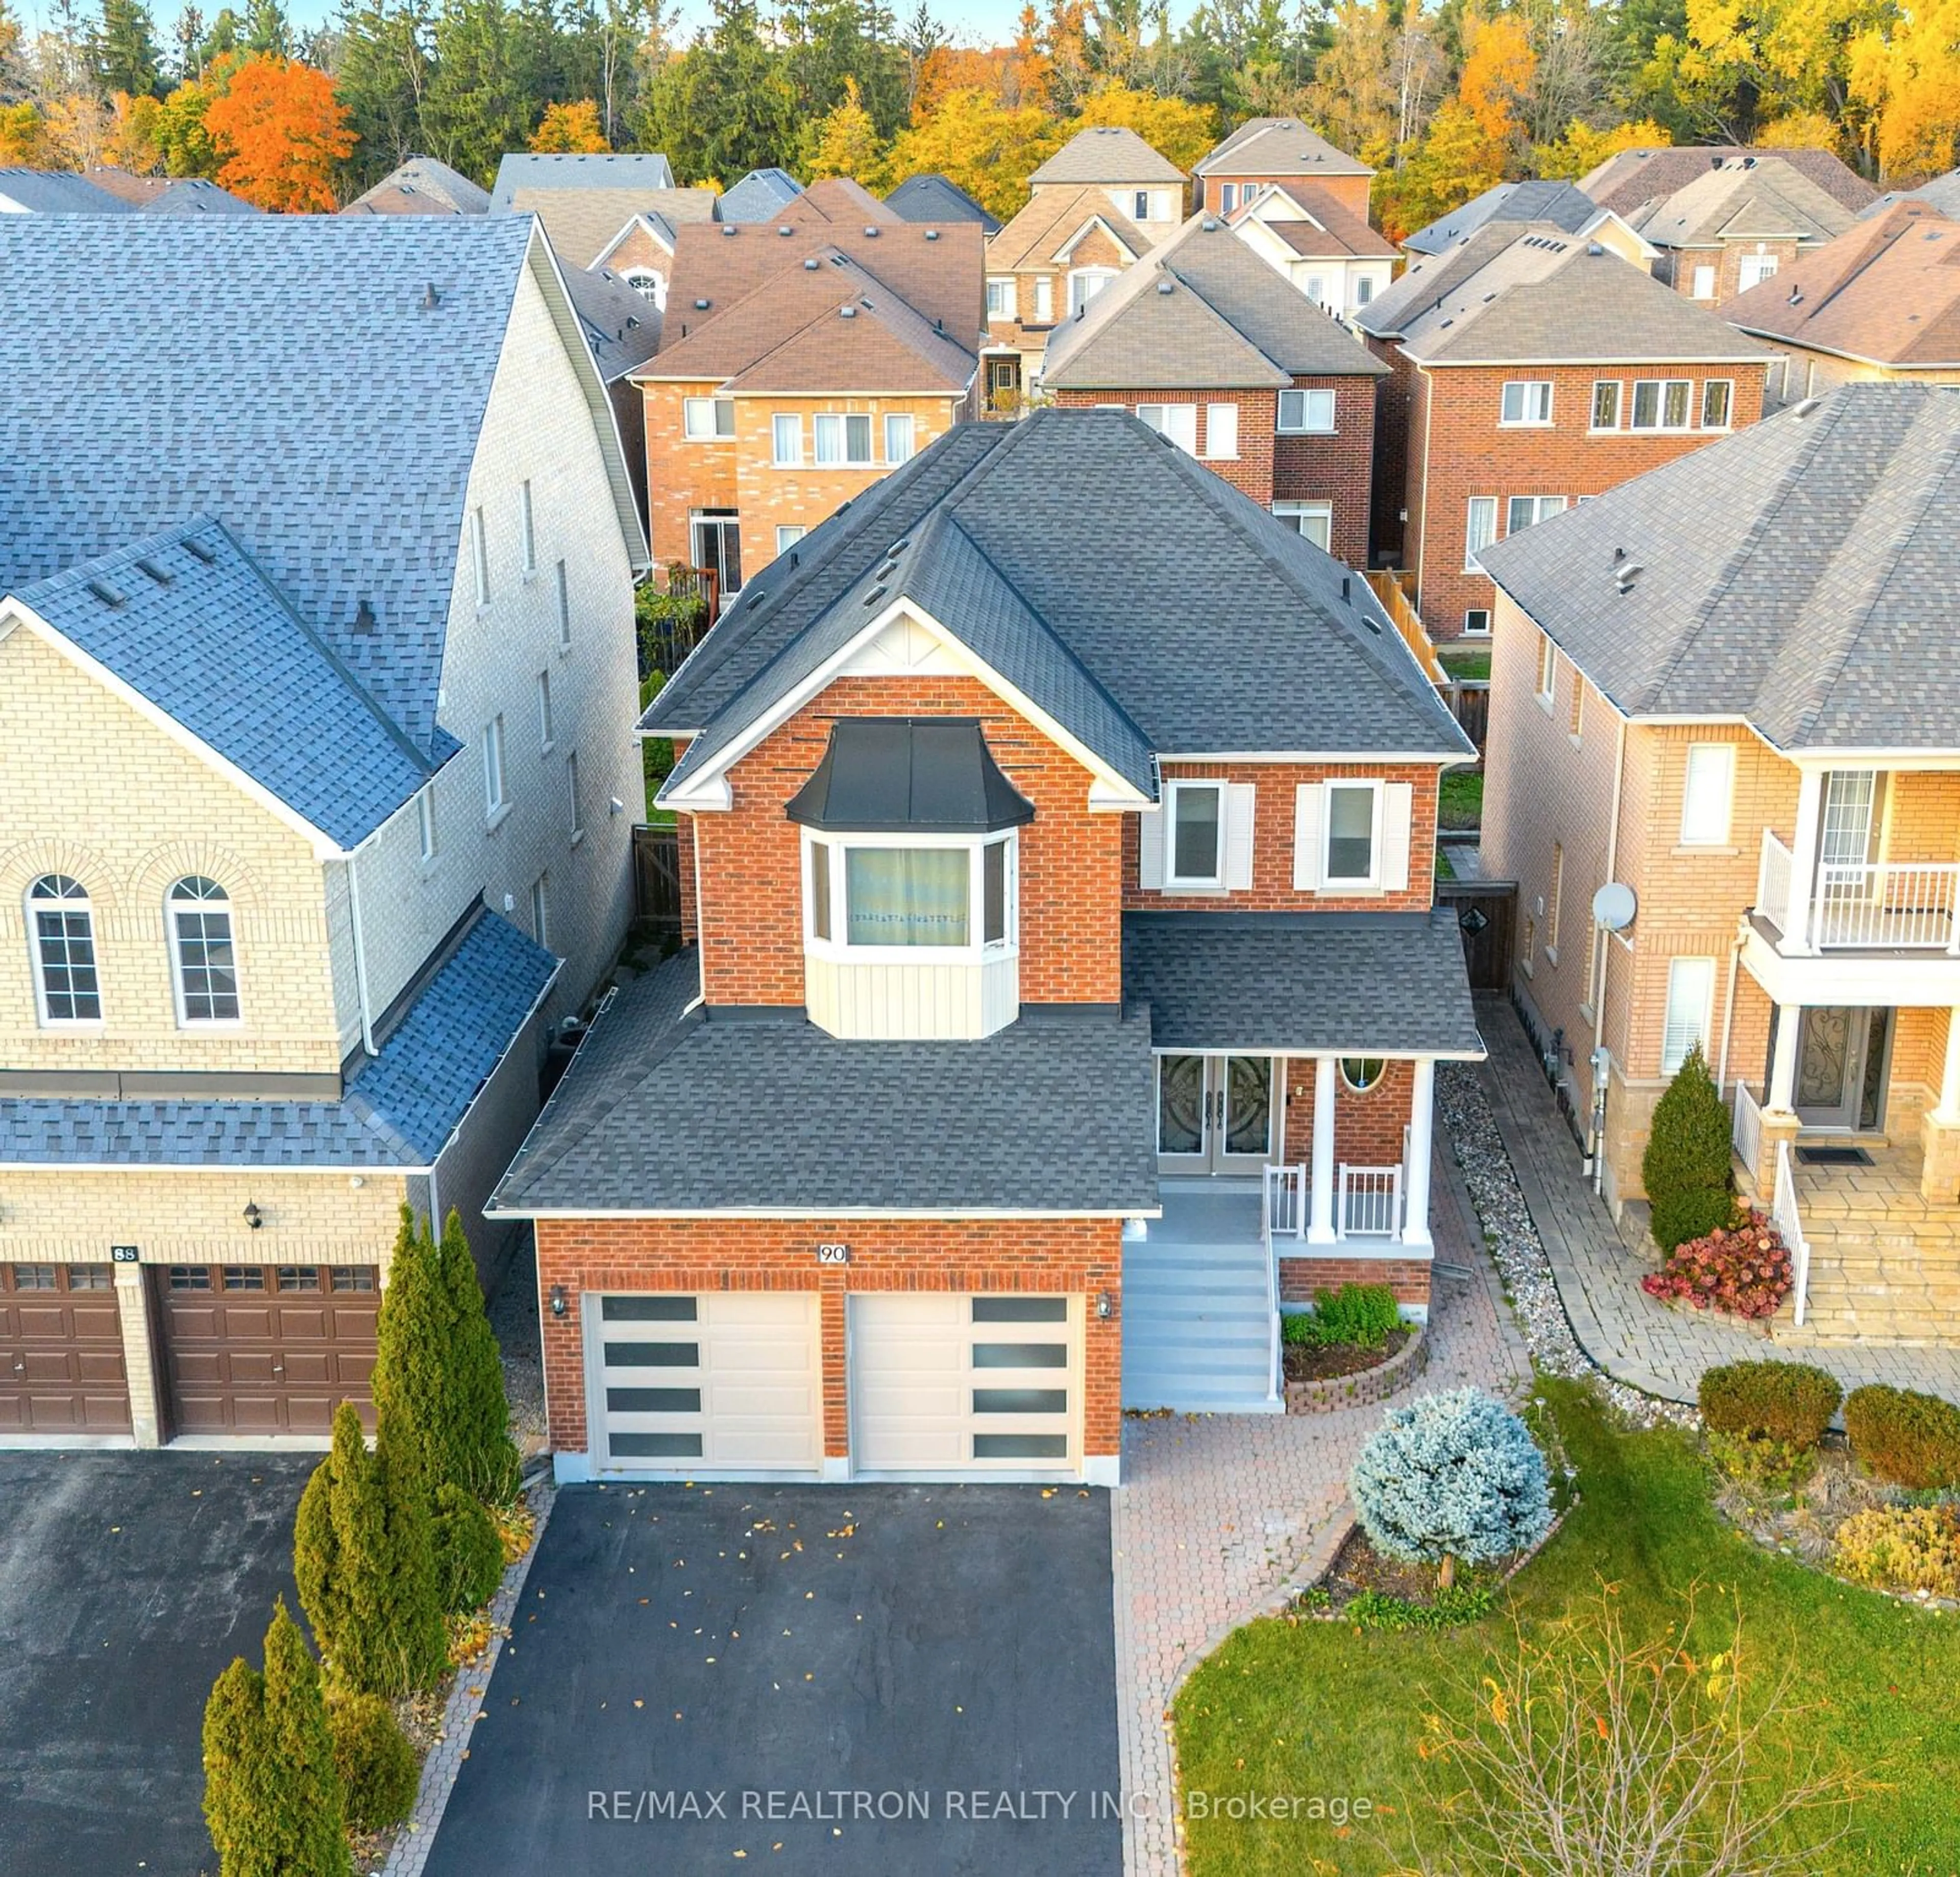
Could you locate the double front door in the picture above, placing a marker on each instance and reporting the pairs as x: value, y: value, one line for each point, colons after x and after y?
x: 1214, y: 1113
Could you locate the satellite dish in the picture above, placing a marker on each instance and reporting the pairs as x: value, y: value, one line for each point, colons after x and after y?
x: 1613, y: 906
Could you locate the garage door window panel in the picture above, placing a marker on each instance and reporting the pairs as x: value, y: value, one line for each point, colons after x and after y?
x: 1021, y: 1309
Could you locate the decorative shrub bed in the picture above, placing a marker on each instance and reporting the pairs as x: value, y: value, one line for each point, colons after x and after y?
x: 1909, y: 1439
x: 1743, y: 1269
x: 1914, y: 1548
x: 1351, y: 1348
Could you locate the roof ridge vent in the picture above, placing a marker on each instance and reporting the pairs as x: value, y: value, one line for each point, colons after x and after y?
x: 107, y: 594
x: 202, y: 551
x: 144, y: 565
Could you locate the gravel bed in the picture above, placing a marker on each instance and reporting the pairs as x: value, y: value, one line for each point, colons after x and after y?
x: 514, y: 1318
x: 1520, y: 1256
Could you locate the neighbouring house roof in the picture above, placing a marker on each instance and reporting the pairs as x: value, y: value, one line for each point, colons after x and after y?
x: 821, y: 323
x: 1055, y: 1114
x: 334, y: 441
x: 757, y: 196
x: 936, y: 271
x: 921, y: 775
x: 1326, y: 229
x: 601, y: 170
x: 1626, y: 180
x: 1560, y: 203
x: 1202, y: 311
x: 1279, y: 146
x: 837, y: 198
x: 1055, y: 219
x: 1943, y: 192
x: 934, y: 198
x: 422, y: 185
x: 657, y: 227
x: 188, y: 620
x: 1265, y: 645
x: 193, y: 195
x: 1751, y: 199
x: 1799, y: 575
x: 125, y: 186
x: 585, y: 221
x: 1887, y: 293
x: 621, y: 324
x: 399, y: 1109
x: 1299, y: 983
x: 1106, y: 153
x: 57, y: 192
x: 1537, y: 296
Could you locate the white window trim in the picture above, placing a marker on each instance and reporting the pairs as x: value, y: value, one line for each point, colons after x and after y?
x: 1174, y: 881
x: 977, y: 950
x: 1706, y: 384
x: 1470, y: 565
x: 777, y: 459
x: 172, y: 909
x: 1708, y: 842
x: 428, y: 832
x: 1546, y: 682
x: 1008, y: 295
x: 1700, y: 269
x: 1636, y: 429
x: 1525, y: 423
x: 846, y: 461
x: 1331, y: 883
x: 1300, y: 510
x: 1306, y: 427
x: 1043, y: 300
x: 496, y: 783
x: 1706, y: 1021
x: 1211, y: 453
x: 86, y: 904
x: 795, y: 530
x: 564, y: 609
x: 713, y: 434
x: 480, y: 557
x: 1594, y: 427
x: 885, y: 436
x: 527, y: 529
x: 1477, y: 631
x: 541, y: 910
x: 575, y: 806
x: 547, y: 741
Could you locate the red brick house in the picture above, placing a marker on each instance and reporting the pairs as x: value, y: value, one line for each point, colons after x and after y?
x: 1265, y: 150
x: 1738, y: 224
x: 1532, y: 369
x: 1061, y: 989
x: 1209, y: 346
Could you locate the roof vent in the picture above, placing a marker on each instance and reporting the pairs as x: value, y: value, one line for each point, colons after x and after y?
x: 1619, y: 555
x: 431, y: 298
x: 728, y: 229
x: 1796, y: 296
x: 106, y: 593
x: 701, y: 306
x: 1210, y: 224
x: 1166, y: 285
x: 785, y: 230
x: 201, y: 551
x: 1347, y: 584
x: 932, y: 234
x: 1445, y: 326
x: 1595, y: 249
x: 898, y: 547
x: 1624, y: 577
x: 847, y: 312
x: 811, y: 264
x: 870, y: 231
x: 148, y: 566
x: 365, y: 624
x: 1803, y: 407
x: 887, y: 570
x: 872, y: 598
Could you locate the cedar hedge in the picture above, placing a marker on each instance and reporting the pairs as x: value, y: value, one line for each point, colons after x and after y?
x: 469, y: 1551
x: 1904, y: 1437
x: 1788, y: 1402
x: 1685, y: 1168
x: 377, y: 1765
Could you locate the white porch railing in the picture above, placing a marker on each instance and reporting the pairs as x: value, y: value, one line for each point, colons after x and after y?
x: 1789, y: 1223
x: 1908, y: 905
x: 1370, y: 1202
x: 1773, y: 872
x: 1284, y: 1201
x: 1747, y: 1134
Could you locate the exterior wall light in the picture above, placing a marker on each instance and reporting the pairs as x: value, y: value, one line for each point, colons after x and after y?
x: 1105, y: 1306
x: 253, y: 1216
x: 558, y: 1300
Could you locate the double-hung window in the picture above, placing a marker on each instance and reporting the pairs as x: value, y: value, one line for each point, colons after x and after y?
x: 1353, y: 818
x: 573, y: 799
x: 527, y: 529
x: 1703, y: 281
x: 564, y: 608
x: 1526, y: 511
x: 844, y: 441
x: 1177, y: 421
x: 1314, y: 520
x: 1221, y: 432
x: 425, y: 826
x: 1043, y: 300
x: 900, y: 432
x: 1480, y: 529
x: 545, y: 727
x: 479, y: 556
x: 1526, y: 400
x: 1718, y: 396
x: 1194, y: 823
x: 494, y: 799
x: 1001, y: 296
x: 1708, y: 792
x: 707, y: 420
x: 1548, y: 668
x: 1606, y: 404
x: 786, y: 441
x: 62, y: 925
x: 1306, y: 413
x: 1662, y: 404
x: 206, y: 964
x: 1690, y: 993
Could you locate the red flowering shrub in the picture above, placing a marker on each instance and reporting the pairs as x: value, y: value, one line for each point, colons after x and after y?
x: 1742, y: 1268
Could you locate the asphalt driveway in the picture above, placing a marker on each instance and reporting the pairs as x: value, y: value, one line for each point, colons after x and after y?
x: 127, y: 1582
x: 875, y: 1679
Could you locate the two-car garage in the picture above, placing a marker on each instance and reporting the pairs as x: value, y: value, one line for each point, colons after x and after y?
x: 939, y: 1385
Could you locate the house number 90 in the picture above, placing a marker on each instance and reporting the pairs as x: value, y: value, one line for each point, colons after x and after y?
x: 833, y: 1254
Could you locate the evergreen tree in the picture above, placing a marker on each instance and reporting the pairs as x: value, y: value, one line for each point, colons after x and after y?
x: 482, y: 1457
x: 474, y: 109
x: 267, y: 29
x: 382, y: 74
x: 1686, y: 1166
x: 312, y: 1803
x: 126, y: 58
x: 234, y: 1768
x: 726, y: 106
x: 187, y: 44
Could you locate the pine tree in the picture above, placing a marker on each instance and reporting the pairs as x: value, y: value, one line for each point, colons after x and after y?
x: 311, y: 1806
x: 483, y: 1459
x: 125, y: 49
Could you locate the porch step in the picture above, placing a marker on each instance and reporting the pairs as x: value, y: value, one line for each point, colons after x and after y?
x: 1895, y: 1278
x: 1196, y: 1327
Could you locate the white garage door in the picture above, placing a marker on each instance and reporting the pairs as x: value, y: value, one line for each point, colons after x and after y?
x: 721, y: 1382
x: 957, y: 1384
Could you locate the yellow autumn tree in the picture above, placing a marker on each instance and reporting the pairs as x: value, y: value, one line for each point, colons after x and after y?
x: 1582, y: 149
x: 1181, y: 131
x: 569, y: 129
x: 845, y: 143
x: 1495, y: 83
x: 1908, y: 76
x: 987, y: 148
x: 23, y: 138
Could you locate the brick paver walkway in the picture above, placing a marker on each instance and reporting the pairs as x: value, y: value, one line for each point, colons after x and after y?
x: 1634, y: 1338
x: 1221, y: 1516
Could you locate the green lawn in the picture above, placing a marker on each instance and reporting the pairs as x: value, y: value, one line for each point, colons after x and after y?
x: 1465, y: 661
x: 1317, y: 1708
x: 1460, y: 799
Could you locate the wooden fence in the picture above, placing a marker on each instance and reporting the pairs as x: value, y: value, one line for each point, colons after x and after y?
x: 1396, y: 604
x: 657, y: 877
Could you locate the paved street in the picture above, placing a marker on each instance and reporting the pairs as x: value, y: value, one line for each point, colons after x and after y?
x: 127, y: 1582
x: 940, y: 1652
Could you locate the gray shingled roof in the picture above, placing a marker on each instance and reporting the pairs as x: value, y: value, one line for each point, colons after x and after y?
x: 1053, y: 1114
x: 1943, y: 192
x: 332, y: 429
x: 621, y: 324
x: 1800, y: 575
x: 422, y: 185
x: 399, y: 1110
x: 933, y: 198
x: 757, y: 196
x: 1748, y: 199
x: 213, y: 642
x: 1295, y: 983
x: 1559, y: 205
x: 610, y: 169
x: 1203, y: 311
x: 1107, y: 153
x: 57, y: 192
x: 193, y: 195
x: 1226, y: 632
x: 1279, y: 146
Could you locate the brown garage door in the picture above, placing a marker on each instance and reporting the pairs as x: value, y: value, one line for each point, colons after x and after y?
x: 61, y: 1350
x: 266, y: 1349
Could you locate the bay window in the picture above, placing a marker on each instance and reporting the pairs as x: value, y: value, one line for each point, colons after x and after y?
x: 952, y: 897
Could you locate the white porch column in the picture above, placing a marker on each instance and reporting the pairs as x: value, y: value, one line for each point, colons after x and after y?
x: 1783, y: 1063
x: 1320, y: 1222
x: 1803, y: 860
x: 1415, y: 1175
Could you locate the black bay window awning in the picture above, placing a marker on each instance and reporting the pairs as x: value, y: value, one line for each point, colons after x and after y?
x: 909, y: 776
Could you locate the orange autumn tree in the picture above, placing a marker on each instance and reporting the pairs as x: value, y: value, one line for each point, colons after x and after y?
x: 279, y: 130
x: 570, y: 129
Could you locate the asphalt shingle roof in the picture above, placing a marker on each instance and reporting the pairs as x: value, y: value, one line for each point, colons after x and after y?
x: 1107, y: 153
x: 1334, y: 228
x: 1227, y: 632
x: 1038, y: 232
x: 1279, y: 146
x: 1295, y: 983
x: 779, y: 1114
x: 583, y: 220
x: 1626, y: 180
x: 331, y: 429
x: 422, y: 185
x: 610, y: 169
x: 186, y: 618
x: 1799, y: 575
x: 57, y: 192
x: 1748, y: 199
x: 1202, y: 311
x: 757, y: 196
x: 400, y: 1110
x: 1559, y: 204
x: 933, y: 198
x: 1943, y: 192
x: 621, y: 324
x: 193, y: 195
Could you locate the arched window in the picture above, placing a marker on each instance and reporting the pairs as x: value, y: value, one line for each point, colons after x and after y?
x: 646, y: 283
x: 207, y: 967
x: 61, y: 926
x: 1361, y: 1072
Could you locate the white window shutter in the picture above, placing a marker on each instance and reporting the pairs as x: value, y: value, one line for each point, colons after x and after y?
x: 1150, y: 849
x: 1309, y: 809
x: 1241, y: 798
x: 1397, y: 811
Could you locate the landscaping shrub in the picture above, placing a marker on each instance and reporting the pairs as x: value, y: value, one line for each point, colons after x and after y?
x: 273, y: 1796
x: 1908, y: 1438
x: 1451, y: 1476
x: 469, y: 1553
x: 438, y: 1376
x: 1452, y: 1608
x: 1902, y: 1547
x: 1758, y: 1460
x: 1790, y: 1401
x: 1742, y: 1267
x: 1362, y: 1314
x: 668, y: 625
x: 1685, y: 1168
x: 376, y: 1763
x: 363, y: 1555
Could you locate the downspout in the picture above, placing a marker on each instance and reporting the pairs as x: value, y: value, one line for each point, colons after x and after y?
x: 1728, y: 1010
x: 1599, y: 1058
x: 359, y: 956
x: 1422, y: 542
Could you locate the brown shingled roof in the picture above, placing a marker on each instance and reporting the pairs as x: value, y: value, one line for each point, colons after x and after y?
x: 582, y: 222
x: 1340, y: 231
x: 1624, y: 182
x: 837, y: 199
x: 1050, y: 221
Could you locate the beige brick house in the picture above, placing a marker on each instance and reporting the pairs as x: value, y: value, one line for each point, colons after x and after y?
x: 315, y: 708
x: 1729, y: 687
x: 1738, y: 224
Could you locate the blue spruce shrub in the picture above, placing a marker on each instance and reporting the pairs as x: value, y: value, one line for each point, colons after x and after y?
x: 1451, y: 1476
